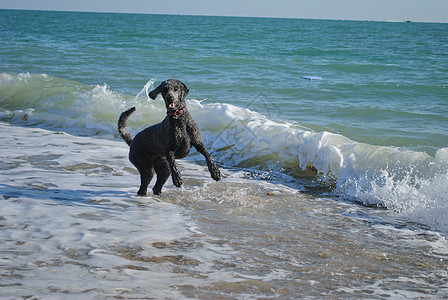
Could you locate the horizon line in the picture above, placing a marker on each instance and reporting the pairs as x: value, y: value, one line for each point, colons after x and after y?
x: 225, y: 16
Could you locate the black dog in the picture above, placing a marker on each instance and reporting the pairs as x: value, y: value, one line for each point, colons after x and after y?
x: 157, y: 147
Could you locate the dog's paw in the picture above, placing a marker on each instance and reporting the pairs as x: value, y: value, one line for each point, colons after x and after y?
x: 213, y: 169
x: 215, y: 173
x: 157, y: 192
x: 141, y: 194
x: 177, y: 181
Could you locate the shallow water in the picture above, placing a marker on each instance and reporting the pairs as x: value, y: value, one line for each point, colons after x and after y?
x: 71, y: 226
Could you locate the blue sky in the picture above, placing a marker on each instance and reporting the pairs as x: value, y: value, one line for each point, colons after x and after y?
x: 382, y: 10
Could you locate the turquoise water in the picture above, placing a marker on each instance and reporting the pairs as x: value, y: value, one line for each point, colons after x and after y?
x: 382, y: 83
x: 369, y: 129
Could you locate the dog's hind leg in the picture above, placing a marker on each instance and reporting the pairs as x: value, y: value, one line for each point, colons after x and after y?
x: 162, y: 169
x: 146, y: 170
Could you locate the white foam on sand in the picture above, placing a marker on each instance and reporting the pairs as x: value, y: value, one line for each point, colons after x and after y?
x: 70, y: 223
x: 71, y: 227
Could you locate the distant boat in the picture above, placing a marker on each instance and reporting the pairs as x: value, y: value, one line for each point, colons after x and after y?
x: 407, y: 21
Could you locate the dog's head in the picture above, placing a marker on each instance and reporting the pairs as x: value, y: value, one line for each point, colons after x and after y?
x: 173, y: 92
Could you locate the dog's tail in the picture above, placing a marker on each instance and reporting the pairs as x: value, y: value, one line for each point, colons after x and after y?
x: 122, y: 122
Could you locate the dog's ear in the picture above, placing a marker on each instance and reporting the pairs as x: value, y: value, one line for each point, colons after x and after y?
x: 186, y: 90
x: 153, y: 94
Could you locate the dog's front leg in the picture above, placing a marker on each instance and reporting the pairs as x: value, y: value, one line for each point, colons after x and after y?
x: 175, y: 173
x: 212, y: 167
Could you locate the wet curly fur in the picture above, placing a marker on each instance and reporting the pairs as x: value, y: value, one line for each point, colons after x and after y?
x: 156, y: 148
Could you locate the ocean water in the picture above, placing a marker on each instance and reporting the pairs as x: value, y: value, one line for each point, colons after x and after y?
x: 331, y: 135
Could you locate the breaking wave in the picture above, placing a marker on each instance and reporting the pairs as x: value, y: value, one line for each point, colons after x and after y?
x: 413, y: 184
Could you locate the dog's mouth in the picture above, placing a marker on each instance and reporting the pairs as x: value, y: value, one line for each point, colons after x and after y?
x: 173, y: 107
x: 174, y: 112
